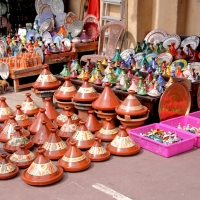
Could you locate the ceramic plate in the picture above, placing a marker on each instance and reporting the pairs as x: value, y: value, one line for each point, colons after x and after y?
x: 192, y: 40
x: 138, y: 56
x: 67, y: 43
x: 46, y: 36
x: 44, y: 8
x: 195, y: 66
x: 40, y: 52
x: 165, y: 56
x: 57, y: 6
x: 155, y: 36
x: 57, y: 39
x: 4, y: 70
x: 180, y: 63
x: 150, y: 56
x: 38, y: 4
x: 172, y: 38
x: 126, y: 54
x: 45, y: 25
x: 46, y: 2
x: 92, y: 30
x: 70, y: 17
x: 3, y: 8
x: 3, y: 45
x: 59, y: 20
x: 75, y: 28
x: 45, y: 15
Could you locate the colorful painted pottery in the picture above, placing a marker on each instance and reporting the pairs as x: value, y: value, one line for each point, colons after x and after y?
x: 122, y: 144
x: 74, y: 160
x: 133, y: 86
x: 117, y: 56
x: 92, y: 123
x: 63, y: 48
x: 22, y: 157
x: 138, y: 48
x: 97, y: 152
x: 46, y: 80
x: 16, y: 140
x: 5, y: 110
x: 181, y: 54
x: 98, y: 81
x: 29, y: 107
x: 173, y: 49
x: 7, y: 169
x: 42, y: 171
x: 195, y: 57
x: 65, y: 71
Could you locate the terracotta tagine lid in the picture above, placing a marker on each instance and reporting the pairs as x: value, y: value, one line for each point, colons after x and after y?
x: 107, y: 100
x: 63, y: 116
x: 7, y: 132
x: 7, y: 169
x: 50, y: 110
x: 42, y: 171
x: 29, y: 107
x: 86, y: 93
x: 131, y: 106
x: 108, y: 132
x: 5, y: 110
x: 92, y: 123
x: 74, y: 160
x: 16, y: 140
x: 55, y: 146
x: 22, y: 157
x: 66, y: 91
x: 42, y: 134
x: 82, y: 136
x: 22, y: 119
x: 34, y: 127
x: 97, y: 152
x: 122, y: 144
x: 46, y: 80
x: 68, y: 128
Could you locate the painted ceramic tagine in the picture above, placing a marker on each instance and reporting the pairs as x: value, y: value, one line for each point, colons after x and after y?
x: 97, y: 152
x: 74, y: 160
x: 28, y: 106
x: 22, y: 157
x: 122, y: 144
x: 7, y: 169
x: 5, y: 110
x: 9, y: 129
x: 16, y: 140
x: 42, y: 171
x: 55, y: 147
x: 46, y: 80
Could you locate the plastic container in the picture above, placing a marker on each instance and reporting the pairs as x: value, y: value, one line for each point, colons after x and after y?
x: 159, y: 148
x: 184, y: 121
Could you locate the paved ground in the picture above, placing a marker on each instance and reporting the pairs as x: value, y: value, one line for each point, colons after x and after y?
x: 145, y: 176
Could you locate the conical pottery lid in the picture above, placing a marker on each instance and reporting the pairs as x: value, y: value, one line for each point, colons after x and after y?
x: 9, y: 129
x: 55, y: 146
x: 98, y: 81
x: 5, y: 110
x: 46, y: 80
x: 108, y: 132
x: 28, y: 106
x: 82, y: 136
x: 42, y: 134
x: 50, y: 110
x: 66, y: 91
x: 21, y: 118
x: 97, y: 152
x: 34, y: 127
x: 131, y: 106
x: 42, y: 171
x: 74, y: 160
x: 22, y: 157
x: 122, y: 144
x: 92, y: 123
x: 7, y: 169
x: 86, y: 93
x: 107, y: 100
x: 16, y: 140
x: 68, y: 128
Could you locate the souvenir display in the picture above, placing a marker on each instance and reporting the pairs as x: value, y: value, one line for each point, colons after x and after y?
x: 172, y: 38
x: 155, y: 36
x: 192, y: 40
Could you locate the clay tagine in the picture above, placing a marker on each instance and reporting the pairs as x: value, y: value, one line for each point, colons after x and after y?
x: 82, y: 136
x: 46, y: 80
x: 29, y: 107
x: 7, y: 169
x: 16, y: 140
x: 42, y: 171
x: 97, y: 152
x: 5, y: 110
x: 55, y: 147
x: 74, y: 160
x: 22, y: 157
x: 122, y: 144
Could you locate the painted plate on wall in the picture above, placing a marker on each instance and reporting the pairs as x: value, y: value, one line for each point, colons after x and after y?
x: 192, y: 40
x: 180, y: 63
x: 155, y: 36
x: 172, y: 38
x: 165, y: 56
x: 126, y: 54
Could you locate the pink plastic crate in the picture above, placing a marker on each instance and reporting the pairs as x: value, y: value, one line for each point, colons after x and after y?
x: 184, y: 121
x: 159, y: 148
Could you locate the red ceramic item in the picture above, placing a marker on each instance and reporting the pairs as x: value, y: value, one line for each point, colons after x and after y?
x: 63, y: 48
x: 73, y: 74
x: 97, y: 152
x: 42, y: 171
x: 7, y: 169
x: 55, y: 147
x: 92, y: 30
x: 195, y: 57
x: 122, y: 144
x: 173, y: 49
x: 74, y: 160
x: 181, y: 54
x: 5, y: 110
x: 190, y: 51
x: 22, y: 157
